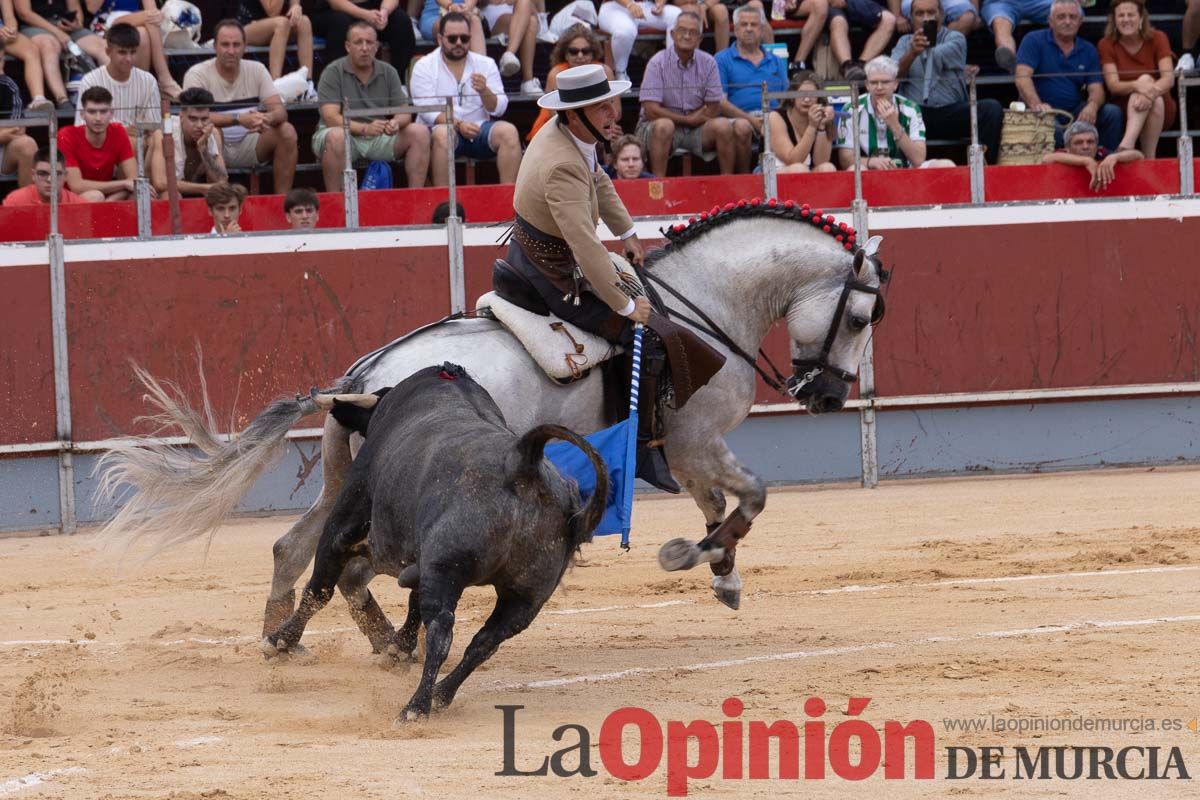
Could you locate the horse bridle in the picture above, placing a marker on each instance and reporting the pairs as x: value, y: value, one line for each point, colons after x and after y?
x: 806, y: 370
x: 813, y: 367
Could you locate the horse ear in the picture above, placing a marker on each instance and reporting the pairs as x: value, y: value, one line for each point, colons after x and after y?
x: 872, y: 245
x: 860, y: 258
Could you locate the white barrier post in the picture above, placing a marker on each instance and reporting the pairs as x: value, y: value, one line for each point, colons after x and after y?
x: 454, y: 231
x: 769, y: 163
x: 141, y: 188
x: 1187, y: 180
x: 975, y: 151
x: 349, y: 176
x: 62, y: 385
x: 866, y: 369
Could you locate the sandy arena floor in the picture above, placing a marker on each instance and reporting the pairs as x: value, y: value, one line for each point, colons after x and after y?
x: 1064, y: 596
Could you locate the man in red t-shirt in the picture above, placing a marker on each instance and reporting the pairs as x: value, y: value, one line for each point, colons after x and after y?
x: 98, y: 152
x: 38, y: 192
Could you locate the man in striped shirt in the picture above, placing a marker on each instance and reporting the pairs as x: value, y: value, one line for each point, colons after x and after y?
x: 135, y: 97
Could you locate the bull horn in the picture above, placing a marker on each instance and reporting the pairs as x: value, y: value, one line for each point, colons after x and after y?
x: 326, y: 401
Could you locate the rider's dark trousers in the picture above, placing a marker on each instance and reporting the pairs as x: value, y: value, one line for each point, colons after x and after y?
x: 592, y: 314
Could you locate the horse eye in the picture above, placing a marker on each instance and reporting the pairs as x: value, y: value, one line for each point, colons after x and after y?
x: 858, y: 323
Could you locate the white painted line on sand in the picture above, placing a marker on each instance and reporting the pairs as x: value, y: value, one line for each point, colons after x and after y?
x: 796, y: 655
x: 598, y: 609
x: 14, y: 785
x: 879, y: 587
x: 199, y: 741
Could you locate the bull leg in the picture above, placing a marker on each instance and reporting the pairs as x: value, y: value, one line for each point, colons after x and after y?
x: 342, y: 541
x: 511, y: 615
x: 295, y: 549
x: 404, y: 641
x: 440, y: 593
x: 364, y: 610
x: 707, y: 471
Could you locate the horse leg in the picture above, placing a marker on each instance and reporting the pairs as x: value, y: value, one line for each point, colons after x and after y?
x: 707, y: 470
x: 364, y: 610
x: 511, y: 615
x: 294, y: 550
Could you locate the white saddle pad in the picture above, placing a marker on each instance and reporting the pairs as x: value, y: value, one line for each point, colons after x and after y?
x: 561, y: 349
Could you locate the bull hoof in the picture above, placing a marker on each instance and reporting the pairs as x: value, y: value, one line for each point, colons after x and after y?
x: 279, y: 648
x: 410, y: 715
x: 394, y: 656
x: 728, y: 589
x: 678, y: 554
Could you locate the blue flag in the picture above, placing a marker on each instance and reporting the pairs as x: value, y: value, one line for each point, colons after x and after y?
x: 617, y: 445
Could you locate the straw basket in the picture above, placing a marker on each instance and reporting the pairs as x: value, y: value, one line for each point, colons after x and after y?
x: 1028, y: 135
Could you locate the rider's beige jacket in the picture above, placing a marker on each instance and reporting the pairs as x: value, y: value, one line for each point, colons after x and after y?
x: 560, y: 195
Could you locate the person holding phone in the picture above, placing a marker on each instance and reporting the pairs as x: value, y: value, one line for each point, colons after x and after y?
x: 803, y: 130
x: 933, y: 64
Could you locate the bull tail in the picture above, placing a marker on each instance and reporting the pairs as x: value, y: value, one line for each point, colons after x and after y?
x: 531, y: 449
x: 173, y: 494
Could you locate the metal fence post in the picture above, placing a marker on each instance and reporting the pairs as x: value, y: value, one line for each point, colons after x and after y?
x: 141, y: 187
x: 770, y: 165
x: 349, y: 176
x: 868, y: 434
x: 62, y: 385
x: 1187, y: 180
x: 975, y: 151
x: 454, y: 230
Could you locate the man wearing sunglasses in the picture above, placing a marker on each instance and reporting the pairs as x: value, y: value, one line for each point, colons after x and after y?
x: 472, y: 82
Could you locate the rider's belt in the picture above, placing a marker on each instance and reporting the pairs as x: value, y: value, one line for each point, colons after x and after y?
x: 551, y: 256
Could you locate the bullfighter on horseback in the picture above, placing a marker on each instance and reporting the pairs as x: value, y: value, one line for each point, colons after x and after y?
x: 561, y: 194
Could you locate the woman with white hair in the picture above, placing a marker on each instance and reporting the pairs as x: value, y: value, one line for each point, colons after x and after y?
x: 891, y: 132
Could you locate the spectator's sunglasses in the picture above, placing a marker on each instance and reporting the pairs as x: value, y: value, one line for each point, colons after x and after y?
x: 457, y: 38
x: 579, y: 51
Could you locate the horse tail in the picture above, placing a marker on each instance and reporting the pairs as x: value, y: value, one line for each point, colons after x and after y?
x: 173, y: 494
x: 531, y: 449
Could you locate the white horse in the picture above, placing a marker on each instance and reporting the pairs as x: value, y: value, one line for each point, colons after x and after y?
x: 745, y: 269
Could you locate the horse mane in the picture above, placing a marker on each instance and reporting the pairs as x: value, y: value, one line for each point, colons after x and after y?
x: 681, y: 233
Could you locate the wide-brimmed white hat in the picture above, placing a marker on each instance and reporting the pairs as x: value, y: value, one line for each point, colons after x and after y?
x: 582, y: 86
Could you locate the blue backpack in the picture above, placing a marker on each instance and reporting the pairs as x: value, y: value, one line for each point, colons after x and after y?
x: 377, y: 176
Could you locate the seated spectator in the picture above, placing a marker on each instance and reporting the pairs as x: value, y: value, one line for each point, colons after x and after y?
x: 1191, y: 36
x: 1136, y: 60
x: 365, y: 82
x: 629, y: 160
x: 869, y: 15
x: 442, y: 213
x: 815, y: 13
x: 1055, y: 68
x: 135, y: 97
x: 891, y: 133
x: 224, y: 202
x: 620, y: 19
x: 1003, y: 16
x: 21, y: 47
x: 54, y: 26
x: 803, y: 130
x: 266, y: 22
x: 146, y: 20
x: 38, y: 192
x: 745, y: 66
x: 98, y: 152
x: 472, y: 82
x: 515, y: 23
x: 957, y: 15
x: 261, y: 131
x: 714, y: 16
x: 681, y: 104
x: 333, y: 17
x: 1083, y: 150
x: 302, y: 208
x: 933, y: 76
x: 198, y: 160
x: 16, y: 147
x: 432, y: 10
x: 577, y: 46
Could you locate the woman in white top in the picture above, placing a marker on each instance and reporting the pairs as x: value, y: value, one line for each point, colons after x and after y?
x: 621, y: 19
x: 803, y: 129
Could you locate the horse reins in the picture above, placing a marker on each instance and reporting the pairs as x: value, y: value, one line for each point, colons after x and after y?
x: 776, y: 382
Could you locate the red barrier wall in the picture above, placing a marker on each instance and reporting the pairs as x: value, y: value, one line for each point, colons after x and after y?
x: 978, y: 308
x: 672, y: 197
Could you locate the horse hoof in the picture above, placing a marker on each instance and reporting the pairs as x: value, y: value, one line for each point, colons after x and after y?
x: 728, y: 589
x: 269, y: 648
x: 409, y: 715
x: 678, y: 554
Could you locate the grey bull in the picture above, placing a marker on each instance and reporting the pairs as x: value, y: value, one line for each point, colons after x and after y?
x: 746, y: 271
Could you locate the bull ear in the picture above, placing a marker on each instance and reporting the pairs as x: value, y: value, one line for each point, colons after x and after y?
x: 872, y: 245
x: 860, y: 258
